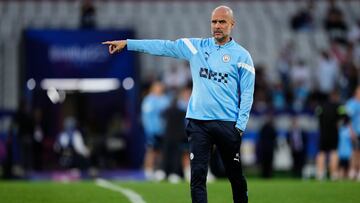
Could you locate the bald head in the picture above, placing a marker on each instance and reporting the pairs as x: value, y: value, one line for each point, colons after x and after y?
x: 224, y: 10
x: 222, y: 23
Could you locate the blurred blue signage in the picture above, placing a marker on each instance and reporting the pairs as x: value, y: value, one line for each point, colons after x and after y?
x: 76, y: 54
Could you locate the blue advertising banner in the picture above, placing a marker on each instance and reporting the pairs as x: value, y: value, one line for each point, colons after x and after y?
x: 75, y: 54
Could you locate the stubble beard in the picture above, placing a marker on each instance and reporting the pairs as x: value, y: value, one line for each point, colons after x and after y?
x: 221, y: 39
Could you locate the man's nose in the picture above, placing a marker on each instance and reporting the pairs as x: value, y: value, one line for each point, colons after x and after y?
x: 217, y: 26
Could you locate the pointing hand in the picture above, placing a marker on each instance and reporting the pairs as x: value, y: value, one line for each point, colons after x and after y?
x: 116, y: 46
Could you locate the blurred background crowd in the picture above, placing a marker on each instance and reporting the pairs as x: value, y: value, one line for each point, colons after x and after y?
x: 306, y: 114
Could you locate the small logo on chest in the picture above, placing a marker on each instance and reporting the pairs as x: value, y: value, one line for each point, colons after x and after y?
x: 226, y: 58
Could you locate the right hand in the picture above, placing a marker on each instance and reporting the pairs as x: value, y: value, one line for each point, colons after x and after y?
x: 116, y: 46
x: 240, y: 132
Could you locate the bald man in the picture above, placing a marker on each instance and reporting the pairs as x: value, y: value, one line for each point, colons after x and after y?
x: 223, y: 77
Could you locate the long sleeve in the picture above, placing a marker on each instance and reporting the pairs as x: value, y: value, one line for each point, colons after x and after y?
x: 181, y: 48
x: 79, y: 144
x: 247, y: 85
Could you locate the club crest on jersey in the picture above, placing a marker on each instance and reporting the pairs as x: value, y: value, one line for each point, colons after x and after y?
x: 226, y: 58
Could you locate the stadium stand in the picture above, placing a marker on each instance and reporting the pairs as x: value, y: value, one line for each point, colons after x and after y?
x: 170, y: 20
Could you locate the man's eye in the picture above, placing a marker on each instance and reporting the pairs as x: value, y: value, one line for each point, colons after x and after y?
x: 218, y: 21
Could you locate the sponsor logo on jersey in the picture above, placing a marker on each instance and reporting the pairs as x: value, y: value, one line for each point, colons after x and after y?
x: 212, y: 75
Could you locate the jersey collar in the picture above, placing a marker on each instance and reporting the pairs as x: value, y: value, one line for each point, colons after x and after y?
x: 228, y: 44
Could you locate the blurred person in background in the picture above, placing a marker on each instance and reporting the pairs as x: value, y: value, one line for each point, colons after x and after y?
x: 344, y: 147
x: 298, y: 143
x: 8, y: 162
x: 284, y: 63
x: 266, y: 146
x: 328, y: 114
x: 175, y: 136
x: 334, y: 23
x: 183, y: 103
x: 354, y: 42
x: 88, y: 15
x: 278, y: 97
x: 115, y: 144
x: 261, y: 95
x: 223, y: 86
x: 303, y: 19
x: 353, y: 110
x: 327, y: 74
x: 152, y: 108
x: 39, y: 134
x: 349, y: 72
x: 301, y: 83
x: 3, y: 147
x: 177, y: 77
x: 23, y: 125
x: 70, y: 145
x: 354, y: 33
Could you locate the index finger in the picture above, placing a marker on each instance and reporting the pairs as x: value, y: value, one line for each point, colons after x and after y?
x: 107, y: 42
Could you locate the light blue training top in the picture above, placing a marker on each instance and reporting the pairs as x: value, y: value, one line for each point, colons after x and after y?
x: 344, y: 145
x: 152, y: 108
x: 223, y: 76
x: 353, y: 110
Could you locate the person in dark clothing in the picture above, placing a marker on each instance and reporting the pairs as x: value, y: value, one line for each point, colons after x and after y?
x: 298, y: 143
x: 23, y: 124
x: 349, y: 71
x: 174, y: 134
x: 335, y: 24
x: 39, y: 135
x: 88, y: 14
x: 265, y: 147
x: 175, y: 137
x: 303, y: 19
x: 70, y: 145
x: 8, y: 162
x: 328, y: 115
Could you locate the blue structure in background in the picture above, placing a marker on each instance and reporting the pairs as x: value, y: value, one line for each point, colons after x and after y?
x: 75, y: 54
x: 65, y: 54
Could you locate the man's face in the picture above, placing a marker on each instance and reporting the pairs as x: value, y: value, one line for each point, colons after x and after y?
x: 221, y: 25
x: 157, y: 88
x: 357, y: 93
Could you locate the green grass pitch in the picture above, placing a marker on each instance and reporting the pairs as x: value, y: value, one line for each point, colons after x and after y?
x: 260, y: 191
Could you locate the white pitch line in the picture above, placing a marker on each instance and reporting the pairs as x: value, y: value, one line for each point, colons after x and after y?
x: 131, y: 195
